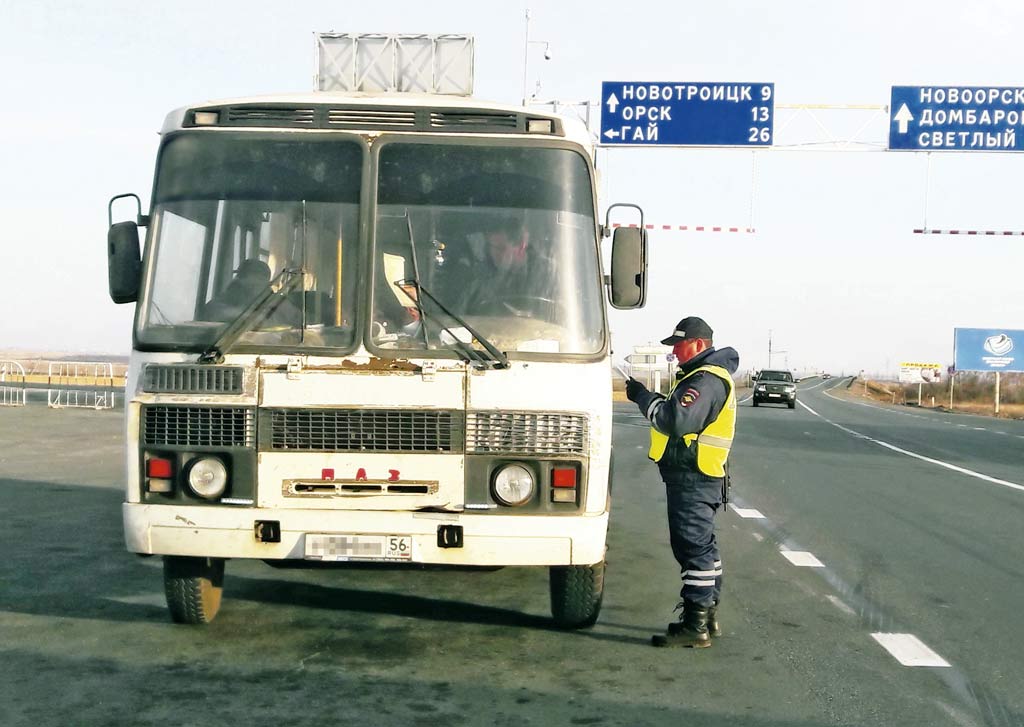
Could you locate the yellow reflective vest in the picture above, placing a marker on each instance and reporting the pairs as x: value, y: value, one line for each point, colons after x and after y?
x: 714, y: 442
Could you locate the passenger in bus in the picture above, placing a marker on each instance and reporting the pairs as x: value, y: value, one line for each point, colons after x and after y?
x: 492, y: 278
x: 486, y: 268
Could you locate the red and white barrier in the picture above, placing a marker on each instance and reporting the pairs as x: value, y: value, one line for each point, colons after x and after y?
x: 1007, y: 233
x: 691, y: 228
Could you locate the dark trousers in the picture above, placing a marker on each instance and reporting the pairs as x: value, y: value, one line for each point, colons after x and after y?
x: 693, y: 500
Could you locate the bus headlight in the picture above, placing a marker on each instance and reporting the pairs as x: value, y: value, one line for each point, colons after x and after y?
x: 208, y: 477
x: 513, y: 485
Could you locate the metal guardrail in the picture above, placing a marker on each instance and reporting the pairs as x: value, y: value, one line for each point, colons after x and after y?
x: 12, y: 384
x: 71, y: 378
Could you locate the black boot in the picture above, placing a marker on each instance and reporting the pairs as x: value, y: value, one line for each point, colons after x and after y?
x: 691, y: 630
x: 714, y: 628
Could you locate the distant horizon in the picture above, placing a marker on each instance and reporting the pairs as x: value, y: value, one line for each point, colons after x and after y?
x: 27, y: 353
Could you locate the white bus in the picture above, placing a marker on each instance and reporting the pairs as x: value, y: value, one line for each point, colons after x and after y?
x: 371, y: 328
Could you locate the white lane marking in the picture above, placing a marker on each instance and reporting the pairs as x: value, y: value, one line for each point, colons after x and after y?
x: 748, y: 512
x: 840, y: 604
x: 758, y: 537
x: 827, y: 393
x: 909, y: 650
x: 143, y: 599
x: 810, y: 409
x: 802, y: 558
x: 812, y: 388
x: 915, y: 455
x: 746, y: 398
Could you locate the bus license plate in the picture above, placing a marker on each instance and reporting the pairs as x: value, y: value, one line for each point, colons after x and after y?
x: 358, y: 547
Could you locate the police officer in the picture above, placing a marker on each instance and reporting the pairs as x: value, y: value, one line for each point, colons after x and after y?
x: 691, y: 434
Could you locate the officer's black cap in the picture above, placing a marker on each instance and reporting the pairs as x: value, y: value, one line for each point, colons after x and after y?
x: 688, y: 329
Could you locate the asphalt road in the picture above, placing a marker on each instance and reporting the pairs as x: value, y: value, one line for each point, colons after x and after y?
x: 917, y: 517
x: 907, y: 546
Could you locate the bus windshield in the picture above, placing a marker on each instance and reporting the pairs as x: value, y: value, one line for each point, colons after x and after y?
x: 503, y: 237
x: 234, y: 210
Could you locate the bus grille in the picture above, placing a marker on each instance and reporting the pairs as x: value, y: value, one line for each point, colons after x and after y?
x: 194, y: 426
x: 366, y: 430
x: 527, y: 433
x: 192, y: 379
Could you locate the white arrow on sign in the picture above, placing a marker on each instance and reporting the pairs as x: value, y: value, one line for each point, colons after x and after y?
x: 613, y: 103
x: 903, y: 117
x: 611, y: 134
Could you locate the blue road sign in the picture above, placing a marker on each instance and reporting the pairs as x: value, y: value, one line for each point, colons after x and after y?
x: 656, y: 113
x: 956, y: 118
x: 988, y: 349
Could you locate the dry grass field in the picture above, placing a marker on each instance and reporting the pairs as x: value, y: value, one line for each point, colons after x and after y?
x: 972, y: 394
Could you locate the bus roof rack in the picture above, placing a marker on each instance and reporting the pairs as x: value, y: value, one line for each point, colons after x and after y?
x: 394, y: 63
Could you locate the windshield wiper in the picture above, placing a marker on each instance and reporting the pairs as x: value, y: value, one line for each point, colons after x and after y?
x: 497, y: 360
x: 234, y: 330
x: 416, y: 276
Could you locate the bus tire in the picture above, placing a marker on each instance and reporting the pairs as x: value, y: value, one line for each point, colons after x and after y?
x: 576, y: 593
x: 193, y: 587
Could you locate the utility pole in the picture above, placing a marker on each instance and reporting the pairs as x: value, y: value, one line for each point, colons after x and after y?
x: 773, y: 352
x: 526, y: 55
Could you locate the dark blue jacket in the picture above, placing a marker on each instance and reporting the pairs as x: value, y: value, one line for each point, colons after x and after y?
x: 689, y: 409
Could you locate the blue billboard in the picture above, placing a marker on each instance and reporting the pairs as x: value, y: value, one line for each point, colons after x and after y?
x: 683, y: 113
x: 988, y: 349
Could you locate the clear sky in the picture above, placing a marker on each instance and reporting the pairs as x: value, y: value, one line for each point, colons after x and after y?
x: 833, y: 269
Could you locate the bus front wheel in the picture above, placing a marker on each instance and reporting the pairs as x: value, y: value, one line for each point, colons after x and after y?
x: 576, y: 593
x: 193, y: 587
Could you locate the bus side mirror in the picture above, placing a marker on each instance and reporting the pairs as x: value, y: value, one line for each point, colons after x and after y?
x: 629, y: 268
x: 124, y: 262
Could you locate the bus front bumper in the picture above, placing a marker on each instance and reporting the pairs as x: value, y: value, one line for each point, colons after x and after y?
x: 487, y: 539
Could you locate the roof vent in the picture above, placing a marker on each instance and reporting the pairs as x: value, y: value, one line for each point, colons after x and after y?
x: 371, y: 118
x: 270, y: 115
x: 478, y: 120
